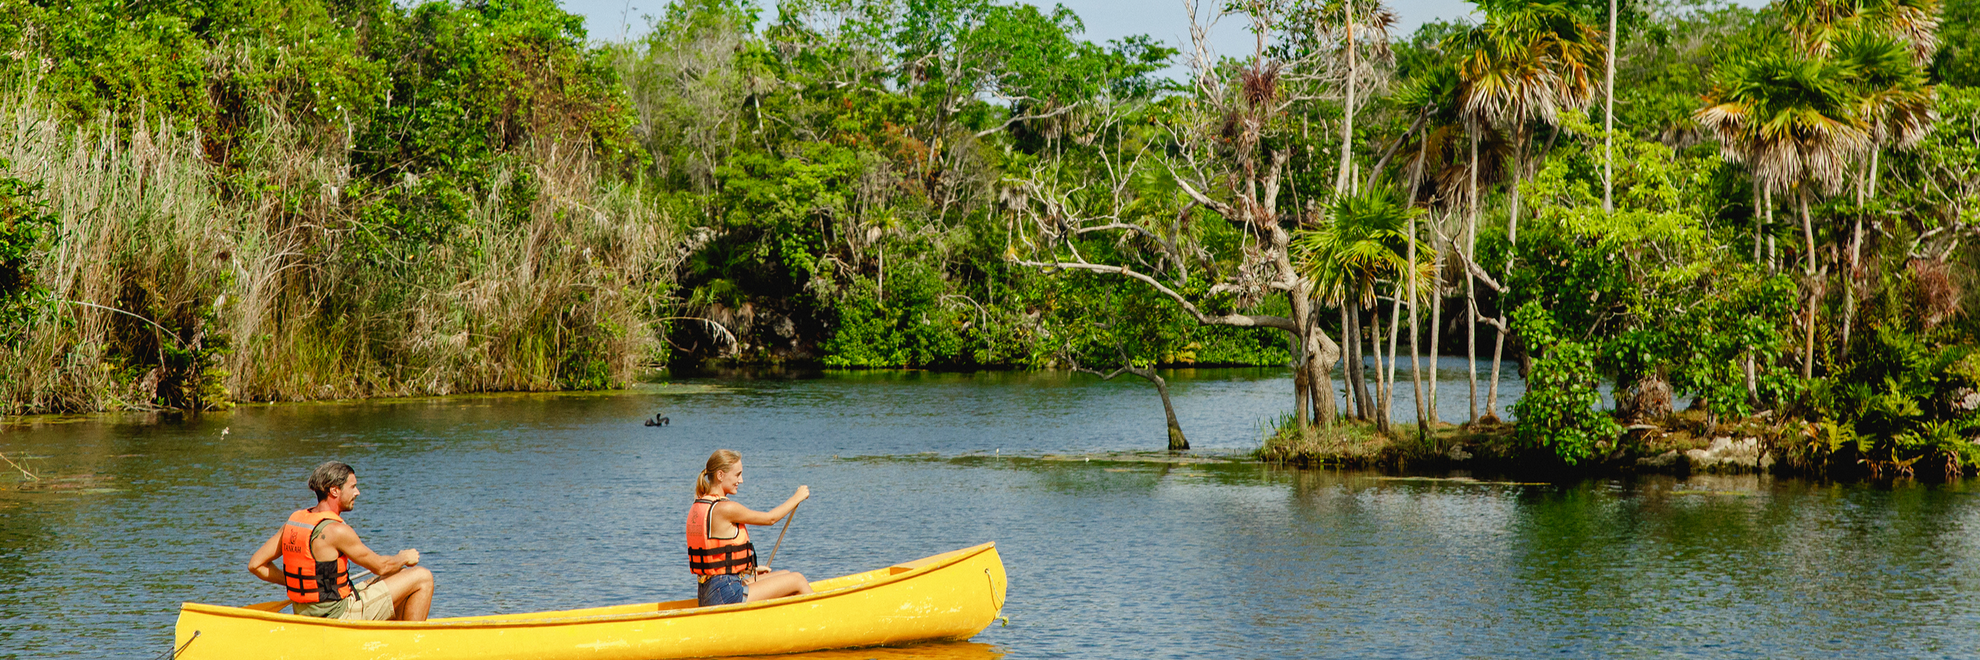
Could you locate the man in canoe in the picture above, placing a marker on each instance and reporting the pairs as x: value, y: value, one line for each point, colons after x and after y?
x: 719, y: 552
x: 399, y: 590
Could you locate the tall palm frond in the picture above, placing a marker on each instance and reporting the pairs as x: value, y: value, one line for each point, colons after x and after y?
x: 1360, y: 242
x: 1789, y: 117
x: 1816, y: 24
x: 1527, y: 62
x: 1915, y: 22
x: 1436, y: 89
x: 1894, y: 97
x: 1821, y: 25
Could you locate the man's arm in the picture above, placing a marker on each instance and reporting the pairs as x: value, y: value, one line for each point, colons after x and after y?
x: 346, y: 541
x: 262, y: 563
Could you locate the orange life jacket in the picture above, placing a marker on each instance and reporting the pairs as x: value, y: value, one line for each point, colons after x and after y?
x: 309, y: 580
x: 708, y: 555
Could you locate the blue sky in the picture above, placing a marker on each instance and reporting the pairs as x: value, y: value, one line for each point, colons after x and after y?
x: 1165, y: 20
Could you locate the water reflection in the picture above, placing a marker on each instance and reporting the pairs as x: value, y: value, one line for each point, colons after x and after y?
x: 527, y: 503
x: 939, y: 651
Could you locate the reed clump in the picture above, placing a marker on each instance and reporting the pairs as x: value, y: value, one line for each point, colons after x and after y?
x: 173, y: 281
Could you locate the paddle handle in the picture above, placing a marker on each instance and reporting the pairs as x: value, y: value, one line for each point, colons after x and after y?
x: 780, y: 536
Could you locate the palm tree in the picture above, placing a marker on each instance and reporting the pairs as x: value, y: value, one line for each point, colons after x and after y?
x: 1898, y: 105
x: 1362, y: 30
x: 1433, y: 93
x: 1792, y: 120
x: 1818, y: 26
x: 1609, y: 117
x: 1355, y: 246
x: 1526, y: 63
x: 1436, y: 180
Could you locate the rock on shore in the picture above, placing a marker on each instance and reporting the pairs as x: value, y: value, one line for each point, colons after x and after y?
x: 1724, y: 455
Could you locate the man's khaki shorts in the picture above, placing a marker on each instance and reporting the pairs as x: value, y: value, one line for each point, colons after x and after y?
x: 372, y: 602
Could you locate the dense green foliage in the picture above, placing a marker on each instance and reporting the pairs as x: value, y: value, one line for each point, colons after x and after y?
x: 279, y: 200
x: 253, y: 200
x: 24, y: 222
x: 843, y: 164
x: 1558, y: 413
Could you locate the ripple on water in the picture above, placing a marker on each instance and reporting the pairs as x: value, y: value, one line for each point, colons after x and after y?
x: 537, y: 502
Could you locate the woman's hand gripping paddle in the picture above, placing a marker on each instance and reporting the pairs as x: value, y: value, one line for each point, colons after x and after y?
x: 780, y: 540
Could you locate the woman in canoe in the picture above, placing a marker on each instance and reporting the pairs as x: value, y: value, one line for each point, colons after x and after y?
x: 719, y: 552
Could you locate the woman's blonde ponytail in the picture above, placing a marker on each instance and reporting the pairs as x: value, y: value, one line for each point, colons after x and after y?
x: 721, y: 460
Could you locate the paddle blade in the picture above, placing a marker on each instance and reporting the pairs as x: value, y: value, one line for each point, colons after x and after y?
x: 270, y: 606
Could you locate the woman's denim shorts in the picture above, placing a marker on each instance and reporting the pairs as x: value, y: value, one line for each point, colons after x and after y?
x: 722, y: 590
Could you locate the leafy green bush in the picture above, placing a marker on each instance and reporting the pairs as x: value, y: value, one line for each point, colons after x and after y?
x: 1899, y: 400
x: 911, y: 326
x: 1558, y: 412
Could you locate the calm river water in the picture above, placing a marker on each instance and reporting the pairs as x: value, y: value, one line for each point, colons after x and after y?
x: 536, y: 502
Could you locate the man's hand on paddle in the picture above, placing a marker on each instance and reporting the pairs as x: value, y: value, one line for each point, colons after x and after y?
x: 345, y: 539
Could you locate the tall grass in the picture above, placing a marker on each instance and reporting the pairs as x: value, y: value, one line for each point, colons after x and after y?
x: 176, y: 281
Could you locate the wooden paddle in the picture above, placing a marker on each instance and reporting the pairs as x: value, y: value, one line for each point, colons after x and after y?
x: 270, y: 606
x: 780, y: 537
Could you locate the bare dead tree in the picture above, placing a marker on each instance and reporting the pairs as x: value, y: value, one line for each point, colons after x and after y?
x: 1126, y: 364
x: 1217, y: 163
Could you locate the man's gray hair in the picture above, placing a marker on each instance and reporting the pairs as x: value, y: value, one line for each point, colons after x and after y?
x: 330, y: 474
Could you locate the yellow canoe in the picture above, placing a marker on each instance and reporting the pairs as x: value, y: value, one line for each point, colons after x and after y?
x: 948, y: 597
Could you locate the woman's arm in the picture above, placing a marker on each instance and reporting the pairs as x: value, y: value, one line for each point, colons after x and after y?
x: 733, y: 513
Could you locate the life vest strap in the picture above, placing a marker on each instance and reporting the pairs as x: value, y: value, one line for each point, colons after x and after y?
x: 721, y: 559
x: 721, y: 551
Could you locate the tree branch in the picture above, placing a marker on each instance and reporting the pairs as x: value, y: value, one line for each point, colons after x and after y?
x: 1007, y: 123
x: 1221, y: 208
x: 1421, y: 115
x: 1236, y: 320
x: 1472, y: 267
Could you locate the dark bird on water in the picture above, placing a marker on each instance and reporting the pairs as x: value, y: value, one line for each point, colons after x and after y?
x: 658, y: 420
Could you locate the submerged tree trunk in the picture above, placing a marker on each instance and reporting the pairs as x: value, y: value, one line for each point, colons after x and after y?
x: 1176, y: 440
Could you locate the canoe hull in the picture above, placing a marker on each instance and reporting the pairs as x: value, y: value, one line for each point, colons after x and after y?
x: 951, y: 596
